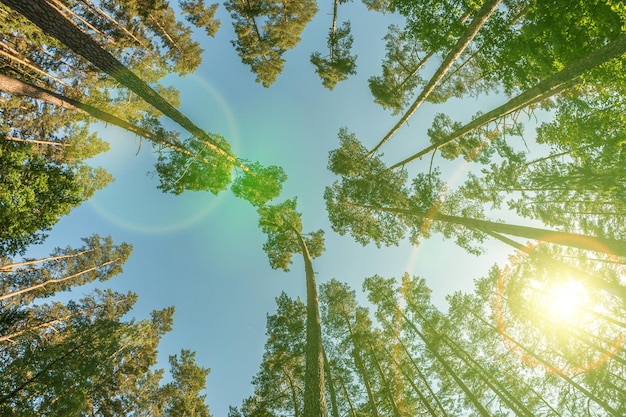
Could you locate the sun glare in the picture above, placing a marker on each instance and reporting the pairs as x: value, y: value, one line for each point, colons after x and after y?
x: 565, y: 300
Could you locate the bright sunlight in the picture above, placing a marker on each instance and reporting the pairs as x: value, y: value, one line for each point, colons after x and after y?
x: 565, y: 301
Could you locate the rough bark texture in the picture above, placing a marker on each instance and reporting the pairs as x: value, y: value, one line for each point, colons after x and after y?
x: 56, y: 25
x: 314, y: 393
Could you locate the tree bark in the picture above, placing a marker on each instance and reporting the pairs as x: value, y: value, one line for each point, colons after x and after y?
x: 18, y: 87
x: 55, y: 280
x: 56, y: 25
x: 472, y: 30
x: 331, y: 387
x: 592, y: 243
x: 550, y: 367
x: 314, y: 392
x: 545, y: 89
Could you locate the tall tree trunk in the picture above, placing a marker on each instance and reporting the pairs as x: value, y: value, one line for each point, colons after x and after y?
x: 409, y: 378
x: 331, y: 387
x: 11, y: 266
x: 513, y: 403
x: 530, y: 388
x: 472, y: 30
x: 449, y: 369
x: 531, y: 354
x: 592, y: 243
x: 314, y: 389
x: 56, y: 25
x: 18, y: 87
x: 545, y: 89
x: 386, y: 388
x: 358, y: 362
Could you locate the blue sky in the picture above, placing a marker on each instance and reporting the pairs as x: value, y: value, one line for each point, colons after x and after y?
x: 203, y: 253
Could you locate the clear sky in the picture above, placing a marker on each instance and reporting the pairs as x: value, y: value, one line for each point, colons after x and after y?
x: 204, y: 254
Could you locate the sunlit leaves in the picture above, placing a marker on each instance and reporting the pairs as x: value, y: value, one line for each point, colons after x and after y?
x: 400, y: 71
x: 279, y: 384
x: 259, y: 185
x: 265, y: 30
x: 350, y: 158
x: 183, y: 393
x: 281, y: 223
x: 567, y: 305
x: 204, y: 171
x: 200, y: 15
x: 339, y: 63
x: 283, y: 226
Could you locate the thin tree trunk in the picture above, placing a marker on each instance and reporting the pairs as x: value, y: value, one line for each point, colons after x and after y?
x: 591, y: 243
x: 472, y: 30
x: 358, y: 362
x: 36, y: 142
x: 481, y: 319
x: 294, y: 396
x: 164, y: 32
x: 419, y: 372
x: 11, y: 266
x: 562, y: 375
x: 591, y: 280
x: 444, y: 363
x: 97, y: 10
x: 386, y: 388
x: 33, y: 67
x: 56, y: 25
x: 49, y: 323
x: 18, y: 87
x: 350, y: 404
x: 60, y: 6
x: 55, y: 280
x: 416, y: 389
x: 544, y: 89
x: 331, y: 386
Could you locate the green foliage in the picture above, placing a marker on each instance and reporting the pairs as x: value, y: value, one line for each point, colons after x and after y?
x: 382, y: 6
x: 279, y: 384
x: 400, y: 70
x: 202, y: 171
x: 283, y: 226
x: 262, y: 47
x: 200, y: 15
x: 351, y: 156
x: 36, y: 193
x: 80, y: 357
x: 98, y: 259
x: 182, y: 396
x: 260, y: 184
x: 436, y: 24
x: 338, y: 64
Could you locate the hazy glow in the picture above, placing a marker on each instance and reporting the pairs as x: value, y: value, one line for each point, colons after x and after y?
x: 564, y: 301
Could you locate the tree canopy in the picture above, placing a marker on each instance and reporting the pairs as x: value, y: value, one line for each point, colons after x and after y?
x: 542, y: 333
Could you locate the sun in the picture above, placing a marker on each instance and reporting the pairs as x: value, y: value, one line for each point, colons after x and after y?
x: 565, y: 301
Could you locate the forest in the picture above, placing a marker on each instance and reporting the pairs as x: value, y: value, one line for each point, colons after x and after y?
x: 441, y: 183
